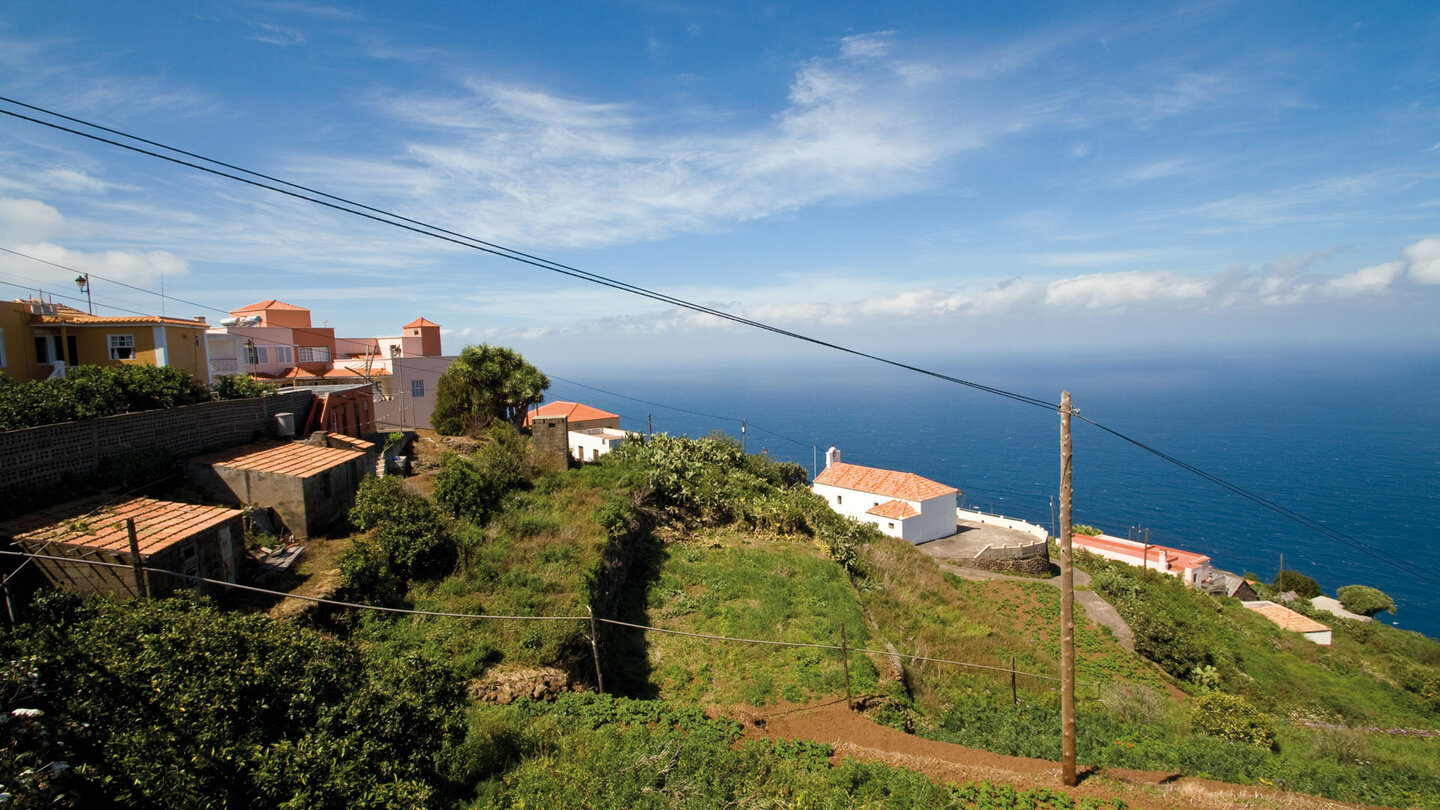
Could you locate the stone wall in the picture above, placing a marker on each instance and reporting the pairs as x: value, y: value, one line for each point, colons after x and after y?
x: 1030, y: 558
x: 46, y: 453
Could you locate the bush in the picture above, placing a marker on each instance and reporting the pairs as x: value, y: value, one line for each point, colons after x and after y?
x: 241, y: 386
x: 1364, y: 600
x: 474, y: 488
x: 408, y: 528
x: 1231, y: 717
x: 1297, y: 582
x: 1088, y: 531
x: 88, y: 392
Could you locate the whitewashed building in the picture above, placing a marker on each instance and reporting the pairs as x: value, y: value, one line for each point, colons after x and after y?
x: 900, y: 504
x: 593, y: 432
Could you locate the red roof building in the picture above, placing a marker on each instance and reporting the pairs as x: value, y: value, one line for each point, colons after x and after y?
x: 579, y: 416
x: 1191, y: 568
x: 900, y: 504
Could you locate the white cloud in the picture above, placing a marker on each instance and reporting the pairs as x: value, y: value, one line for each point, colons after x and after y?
x: 1422, y: 261
x: 141, y: 268
x: 28, y: 220
x: 1119, y: 290
x: 1367, y: 280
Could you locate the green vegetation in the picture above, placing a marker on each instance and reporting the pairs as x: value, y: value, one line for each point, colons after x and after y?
x: 1299, y: 583
x: 1088, y: 531
x: 241, y: 386
x: 1364, y: 600
x: 87, y: 392
x: 484, y: 384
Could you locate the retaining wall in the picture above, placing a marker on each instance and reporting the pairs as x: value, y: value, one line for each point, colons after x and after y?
x: 46, y: 453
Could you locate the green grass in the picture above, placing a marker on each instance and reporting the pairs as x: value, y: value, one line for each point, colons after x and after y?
x: 758, y: 588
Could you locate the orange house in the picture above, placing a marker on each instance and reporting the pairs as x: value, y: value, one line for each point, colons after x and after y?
x: 40, y: 339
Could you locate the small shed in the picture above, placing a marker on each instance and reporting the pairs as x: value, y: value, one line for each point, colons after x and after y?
x: 1224, y: 583
x: 309, y: 486
x: 1287, y: 619
x: 188, y: 539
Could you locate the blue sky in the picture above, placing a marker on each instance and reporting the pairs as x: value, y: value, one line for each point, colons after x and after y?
x: 925, y: 180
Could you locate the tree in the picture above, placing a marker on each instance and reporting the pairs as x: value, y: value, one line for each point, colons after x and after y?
x: 1365, y: 600
x: 1297, y: 582
x: 486, y: 383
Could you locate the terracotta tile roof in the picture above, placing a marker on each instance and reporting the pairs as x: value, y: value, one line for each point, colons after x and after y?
x: 292, y: 458
x: 1285, y: 618
x: 889, y: 483
x: 419, y: 322
x: 895, y: 510
x: 1176, y: 557
x: 358, y: 444
x: 90, y: 524
x: 261, y: 306
x: 75, y: 317
x: 573, y: 411
x: 351, y: 373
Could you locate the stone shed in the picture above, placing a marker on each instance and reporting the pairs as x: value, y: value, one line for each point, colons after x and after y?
x: 309, y: 486
x: 191, y: 540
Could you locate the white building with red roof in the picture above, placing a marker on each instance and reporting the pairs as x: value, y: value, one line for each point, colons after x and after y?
x: 900, y: 504
x: 1192, y: 569
x: 592, y: 432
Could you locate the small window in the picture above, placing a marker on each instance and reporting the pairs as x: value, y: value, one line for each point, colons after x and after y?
x: 122, y: 347
x: 284, y: 354
x: 417, y: 388
x: 891, y: 525
x: 416, y: 332
x: 314, y: 354
x: 839, y: 499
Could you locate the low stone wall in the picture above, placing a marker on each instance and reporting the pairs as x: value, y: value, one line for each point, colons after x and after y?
x: 1029, y: 558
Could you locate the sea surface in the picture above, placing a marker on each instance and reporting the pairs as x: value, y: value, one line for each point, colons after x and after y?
x: 1350, y: 440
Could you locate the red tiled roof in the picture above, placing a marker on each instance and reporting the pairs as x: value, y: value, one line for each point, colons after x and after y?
x: 417, y: 323
x: 1176, y: 557
x: 1285, y: 618
x: 895, y: 510
x: 158, y: 524
x: 573, y: 411
x: 293, y: 458
x: 358, y: 444
x: 75, y: 317
x: 889, y: 483
x: 261, y: 306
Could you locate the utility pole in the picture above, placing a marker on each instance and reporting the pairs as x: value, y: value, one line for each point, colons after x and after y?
x: 742, y: 435
x: 1067, y: 605
x: 1145, y: 562
x: 649, y: 426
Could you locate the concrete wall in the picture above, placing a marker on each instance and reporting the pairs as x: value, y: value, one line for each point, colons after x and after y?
x: 213, y: 554
x: 41, y: 454
x: 1038, y: 532
x: 306, y: 506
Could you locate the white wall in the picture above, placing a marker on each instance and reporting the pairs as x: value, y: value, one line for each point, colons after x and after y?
x: 591, y: 446
x: 1038, y: 532
x: 936, y: 518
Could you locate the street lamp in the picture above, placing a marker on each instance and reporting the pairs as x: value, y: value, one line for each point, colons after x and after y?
x: 83, y: 282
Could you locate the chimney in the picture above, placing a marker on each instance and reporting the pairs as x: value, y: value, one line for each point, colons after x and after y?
x: 832, y: 456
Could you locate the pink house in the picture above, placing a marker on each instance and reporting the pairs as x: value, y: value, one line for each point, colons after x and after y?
x: 1191, y: 568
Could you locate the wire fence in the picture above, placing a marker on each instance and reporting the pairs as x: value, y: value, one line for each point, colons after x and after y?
x: 843, y: 648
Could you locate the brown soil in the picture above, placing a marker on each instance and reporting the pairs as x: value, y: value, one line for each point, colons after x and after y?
x: 854, y: 735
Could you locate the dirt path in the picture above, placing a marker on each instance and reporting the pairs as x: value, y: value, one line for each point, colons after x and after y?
x: 854, y: 735
x: 1096, y: 608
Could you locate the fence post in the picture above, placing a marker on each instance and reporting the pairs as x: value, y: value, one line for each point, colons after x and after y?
x: 595, y: 652
x: 1014, y: 698
x: 140, y: 589
x: 845, y: 663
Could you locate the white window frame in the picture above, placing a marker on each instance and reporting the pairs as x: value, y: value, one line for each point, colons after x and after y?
x: 119, y: 343
x: 312, y: 354
x: 284, y: 354
x: 417, y: 389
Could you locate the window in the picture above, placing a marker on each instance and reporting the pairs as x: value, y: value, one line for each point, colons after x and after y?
x: 394, y: 351
x: 283, y: 354
x: 252, y: 355
x: 417, y: 388
x: 416, y: 332
x: 891, y: 525
x: 839, y: 499
x: 314, y: 354
x: 122, y: 347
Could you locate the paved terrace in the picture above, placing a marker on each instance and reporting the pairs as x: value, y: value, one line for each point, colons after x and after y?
x: 960, y: 548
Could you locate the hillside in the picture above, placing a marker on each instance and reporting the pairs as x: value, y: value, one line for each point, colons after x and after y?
x: 728, y: 552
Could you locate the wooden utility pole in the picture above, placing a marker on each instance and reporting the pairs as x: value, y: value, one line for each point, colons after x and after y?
x: 140, y: 589
x: 649, y: 426
x: 1067, y: 606
x: 845, y: 661
x: 742, y: 435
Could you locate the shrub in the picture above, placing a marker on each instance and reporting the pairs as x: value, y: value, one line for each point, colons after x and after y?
x: 241, y: 386
x: 1162, y: 640
x: 87, y: 392
x: 1297, y: 582
x: 411, y: 531
x: 474, y: 488
x: 1364, y: 600
x: 1231, y: 717
x: 1088, y: 531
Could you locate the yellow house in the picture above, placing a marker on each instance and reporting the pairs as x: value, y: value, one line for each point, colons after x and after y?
x: 39, y: 339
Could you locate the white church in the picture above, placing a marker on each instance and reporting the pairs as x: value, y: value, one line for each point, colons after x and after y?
x: 900, y: 504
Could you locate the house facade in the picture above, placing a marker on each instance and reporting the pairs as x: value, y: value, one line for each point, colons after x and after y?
x: 900, y: 504
x: 40, y: 339
x: 591, y: 432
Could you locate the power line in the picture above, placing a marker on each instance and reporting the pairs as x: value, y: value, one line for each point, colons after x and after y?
x: 435, y: 232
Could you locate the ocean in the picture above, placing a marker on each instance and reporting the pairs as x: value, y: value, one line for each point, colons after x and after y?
x: 1350, y: 440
